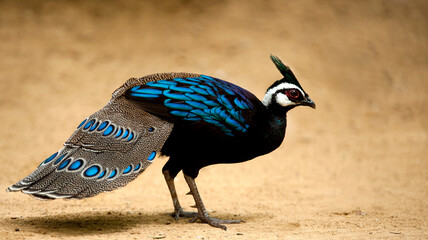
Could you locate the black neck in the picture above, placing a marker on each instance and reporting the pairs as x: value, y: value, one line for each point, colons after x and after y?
x: 272, y: 131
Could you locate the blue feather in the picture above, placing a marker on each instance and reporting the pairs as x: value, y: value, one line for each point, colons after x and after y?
x: 142, y: 95
x: 233, y: 123
x: 237, y: 115
x: 245, y: 105
x: 179, y: 113
x: 176, y: 96
x: 196, y: 97
x: 205, y: 87
x: 212, y: 121
x: 186, y: 81
x: 207, y: 77
x: 239, y: 103
x: 225, y: 102
x: 212, y: 103
x: 224, y: 114
x: 229, y: 91
x: 199, y: 90
x: 192, y: 118
x: 212, y: 93
x: 216, y: 111
x: 200, y: 113
x: 147, y: 91
x: 195, y: 79
x: 183, y: 114
x: 158, y: 85
x: 178, y: 106
x: 192, y: 115
x: 197, y: 104
x: 167, y: 82
x: 199, y: 98
x: 181, y: 89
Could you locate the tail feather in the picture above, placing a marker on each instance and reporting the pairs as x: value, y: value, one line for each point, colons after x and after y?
x: 108, y: 150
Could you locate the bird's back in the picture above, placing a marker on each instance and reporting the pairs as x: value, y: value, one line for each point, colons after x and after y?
x: 214, y: 121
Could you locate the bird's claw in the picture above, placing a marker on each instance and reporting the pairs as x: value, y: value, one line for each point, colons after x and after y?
x: 214, y: 222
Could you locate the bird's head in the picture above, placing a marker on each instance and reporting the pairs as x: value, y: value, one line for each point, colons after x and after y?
x: 287, y: 92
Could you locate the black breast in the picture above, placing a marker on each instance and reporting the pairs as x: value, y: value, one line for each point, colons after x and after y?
x: 192, y: 149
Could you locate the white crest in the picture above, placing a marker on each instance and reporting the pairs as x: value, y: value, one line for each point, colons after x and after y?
x: 280, y: 98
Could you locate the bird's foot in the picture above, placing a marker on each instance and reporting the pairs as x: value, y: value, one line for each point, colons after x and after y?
x: 181, y: 213
x: 214, y: 222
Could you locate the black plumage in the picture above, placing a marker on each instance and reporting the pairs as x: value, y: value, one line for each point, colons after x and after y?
x: 196, y: 120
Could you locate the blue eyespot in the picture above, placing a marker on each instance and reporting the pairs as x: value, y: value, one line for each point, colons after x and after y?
x: 127, y: 170
x: 88, y: 124
x: 50, y: 158
x: 92, y: 171
x: 60, y: 158
x: 131, y: 136
x: 102, y: 174
x: 94, y: 126
x: 151, y: 129
x: 152, y: 156
x: 119, y: 132
x: 113, y: 174
x: 137, y: 167
x: 64, y: 164
x: 81, y: 123
x: 76, y: 165
x: 125, y: 134
x: 109, y: 130
x: 102, y: 126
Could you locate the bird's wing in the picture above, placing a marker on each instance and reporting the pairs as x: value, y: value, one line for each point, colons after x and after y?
x: 200, y: 100
x: 108, y: 149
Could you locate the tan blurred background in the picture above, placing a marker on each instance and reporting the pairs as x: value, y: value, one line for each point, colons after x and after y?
x: 356, y: 167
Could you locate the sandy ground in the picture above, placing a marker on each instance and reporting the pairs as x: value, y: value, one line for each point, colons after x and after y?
x: 354, y: 168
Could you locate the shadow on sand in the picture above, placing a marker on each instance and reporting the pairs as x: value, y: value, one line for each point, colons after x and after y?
x: 88, y: 223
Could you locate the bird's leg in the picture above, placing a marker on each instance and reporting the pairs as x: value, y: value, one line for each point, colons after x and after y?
x: 202, y: 211
x: 178, y: 210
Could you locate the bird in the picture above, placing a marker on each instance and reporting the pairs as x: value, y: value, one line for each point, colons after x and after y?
x: 196, y: 120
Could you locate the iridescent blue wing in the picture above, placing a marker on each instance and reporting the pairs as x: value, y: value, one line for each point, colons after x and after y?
x: 199, y: 100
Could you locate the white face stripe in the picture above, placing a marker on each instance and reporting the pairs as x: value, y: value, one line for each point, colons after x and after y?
x: 281, y: 98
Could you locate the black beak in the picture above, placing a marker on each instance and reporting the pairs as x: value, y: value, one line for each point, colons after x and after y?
x: 308, y: 102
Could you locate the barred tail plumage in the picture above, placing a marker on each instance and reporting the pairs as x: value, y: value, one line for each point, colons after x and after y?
x: 108, y: 150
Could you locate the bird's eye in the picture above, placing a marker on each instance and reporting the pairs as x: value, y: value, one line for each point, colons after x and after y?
x: 293, y: 94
